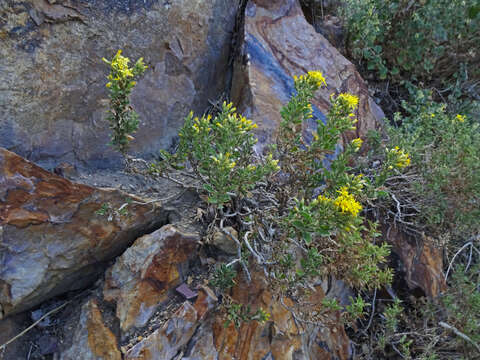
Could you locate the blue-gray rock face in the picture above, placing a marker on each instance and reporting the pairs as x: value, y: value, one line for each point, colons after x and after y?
x: 278, y: 43
x: 52, y: 93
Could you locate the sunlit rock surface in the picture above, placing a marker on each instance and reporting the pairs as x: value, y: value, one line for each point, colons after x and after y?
x: 279, y: 43
x: 54, y: 236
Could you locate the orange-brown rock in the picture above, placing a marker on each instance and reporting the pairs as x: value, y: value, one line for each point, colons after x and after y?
x: 283, y: 337
x: 279, y: 43
x: 141, y: 277
x: 52, y: 237
x: 166, y: 342
x: 92, y: 339
x: 200, y: 334
x: 422, y: 262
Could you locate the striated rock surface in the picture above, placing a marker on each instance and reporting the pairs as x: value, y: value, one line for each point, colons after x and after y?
x: 53, y: 80
x: 55, y: 235
x: 166, y: 342
x: 92, y: 338
x: 422, y: 262
x: 141, y: 278
x: 283, y: 337
x: 279, y: 43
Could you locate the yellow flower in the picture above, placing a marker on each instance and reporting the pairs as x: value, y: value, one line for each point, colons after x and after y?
x: 357, y: 143
x: 347, y: 203
x: 317, y: 77
x: 109, y: 84
x: 324, y: 199
x: 349, y: 99
x: 460, y: 118
x: 400, y: 158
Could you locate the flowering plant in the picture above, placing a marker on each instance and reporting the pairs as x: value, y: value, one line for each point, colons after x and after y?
x: 220, y: 151
x: 122, y: 118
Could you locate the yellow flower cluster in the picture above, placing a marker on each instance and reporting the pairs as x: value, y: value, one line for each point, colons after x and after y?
x: 245, y: 124
x: 224, y: 160
x: 201, y: 123
x: 357, y: 143
x: 401, y: 158
x: 322, y: 199
x: 315, y: 77
x: 349, y: 99
x: 346, y: 202
x: 119, y: 68
x: 273, y: 162
x: 460, y: 118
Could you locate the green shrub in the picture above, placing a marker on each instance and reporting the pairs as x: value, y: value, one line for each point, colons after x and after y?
x: 301, y: 225
x: 446, y: 157
x: 429, y: 39
x: 335, y: 239
x: 220, y: 151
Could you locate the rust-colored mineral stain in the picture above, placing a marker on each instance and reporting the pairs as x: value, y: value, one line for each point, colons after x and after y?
x: 101, y: 340
x: 29, y: 199
x: 22, y: 218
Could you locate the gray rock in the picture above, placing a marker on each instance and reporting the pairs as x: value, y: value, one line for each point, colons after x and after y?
x: 53, y: 96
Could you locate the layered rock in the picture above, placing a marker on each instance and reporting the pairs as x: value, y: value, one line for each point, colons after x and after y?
x: 141, y: 278
x: 193, y: 334
x: 53, y: 80
x: 56, y: 236
x: 279, y: 43
x: 92, y: 338
x: 422, y: 262
x: 175, y: 334
x: 284, y: 337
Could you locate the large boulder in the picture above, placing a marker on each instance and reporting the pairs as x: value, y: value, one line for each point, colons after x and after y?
x: 277, y: 43
x: 52, y: 97
x: 56, y: 236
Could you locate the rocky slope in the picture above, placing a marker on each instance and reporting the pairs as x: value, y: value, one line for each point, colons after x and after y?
x: 106, y: 262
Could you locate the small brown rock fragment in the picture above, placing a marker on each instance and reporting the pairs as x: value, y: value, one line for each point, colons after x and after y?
x: 224, y: 242
x: 422, y: 261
